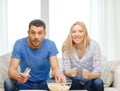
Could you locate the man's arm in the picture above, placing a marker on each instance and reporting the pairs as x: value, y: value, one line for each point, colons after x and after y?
x: 56, y: 72
x: 12, y: 70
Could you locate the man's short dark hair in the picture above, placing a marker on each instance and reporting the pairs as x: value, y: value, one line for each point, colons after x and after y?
x: 37, y: 23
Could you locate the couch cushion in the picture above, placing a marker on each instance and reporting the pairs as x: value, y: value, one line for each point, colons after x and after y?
x: 110, y: 89
x: 108, y: 73
x: 1, y: 89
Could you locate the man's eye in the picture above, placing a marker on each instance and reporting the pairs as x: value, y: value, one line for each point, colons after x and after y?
x: 40, y: 33
x: 32, y: 32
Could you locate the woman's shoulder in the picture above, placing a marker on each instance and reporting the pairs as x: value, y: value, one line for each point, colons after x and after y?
x: 93, y: 43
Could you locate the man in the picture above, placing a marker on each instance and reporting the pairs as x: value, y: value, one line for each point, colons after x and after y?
x: 37, y: 53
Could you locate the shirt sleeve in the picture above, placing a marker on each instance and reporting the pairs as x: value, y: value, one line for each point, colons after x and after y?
x: 97, y: 58
x: 52, y: 49
x: 66, y: 61
x: 16, y: 50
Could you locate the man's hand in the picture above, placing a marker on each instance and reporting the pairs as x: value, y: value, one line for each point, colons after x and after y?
x: 59, y: 76
x: 22, y: 77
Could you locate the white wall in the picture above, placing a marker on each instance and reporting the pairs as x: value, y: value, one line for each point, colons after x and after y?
x: 20, y: 13
x: 100, y: 16
x: 63, y: 13
x: 3, y: 27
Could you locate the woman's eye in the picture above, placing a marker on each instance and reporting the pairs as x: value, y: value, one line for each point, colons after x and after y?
x: 81, y: 31
x: 73, y: 31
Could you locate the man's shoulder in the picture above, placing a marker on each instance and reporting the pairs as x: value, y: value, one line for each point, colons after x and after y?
x: 20, y: 42
x: 48, y: 43
x: 47, y: 40
x: 21, y: 39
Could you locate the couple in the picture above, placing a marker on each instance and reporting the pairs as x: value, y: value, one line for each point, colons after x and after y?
x: 80, y: 55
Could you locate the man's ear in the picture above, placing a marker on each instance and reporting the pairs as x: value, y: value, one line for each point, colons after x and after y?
x: 45, y: 33
x: 28, y: 32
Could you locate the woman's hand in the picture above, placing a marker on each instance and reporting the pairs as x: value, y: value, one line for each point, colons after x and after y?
x: 85, y: 74
x: 72, y: 72
x: 22, y: 77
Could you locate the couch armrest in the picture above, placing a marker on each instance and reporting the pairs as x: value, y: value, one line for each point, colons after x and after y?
x: 116, y: 82
x: 4, y: 62
x: 1, y: 81
x: 3, y: 76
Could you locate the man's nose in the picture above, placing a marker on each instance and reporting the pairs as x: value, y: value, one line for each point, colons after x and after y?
x: 36, y: 36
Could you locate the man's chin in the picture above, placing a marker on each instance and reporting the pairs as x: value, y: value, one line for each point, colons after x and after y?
x: 36, y: 46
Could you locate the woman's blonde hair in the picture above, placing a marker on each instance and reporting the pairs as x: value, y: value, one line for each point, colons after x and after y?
x: 68, y: 43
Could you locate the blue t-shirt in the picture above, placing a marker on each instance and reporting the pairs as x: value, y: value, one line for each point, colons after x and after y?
x: 37, y: 60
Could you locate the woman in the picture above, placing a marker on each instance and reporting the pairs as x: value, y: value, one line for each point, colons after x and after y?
x: 81, y: 59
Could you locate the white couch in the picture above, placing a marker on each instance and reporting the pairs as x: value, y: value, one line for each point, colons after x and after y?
x: 110, y: 74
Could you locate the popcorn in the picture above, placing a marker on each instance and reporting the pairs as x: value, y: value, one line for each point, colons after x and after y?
x: 58, y: 87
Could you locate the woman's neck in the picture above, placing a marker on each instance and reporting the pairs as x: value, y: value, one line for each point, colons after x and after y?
x: 80, y: 50
x: 79, y: 46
